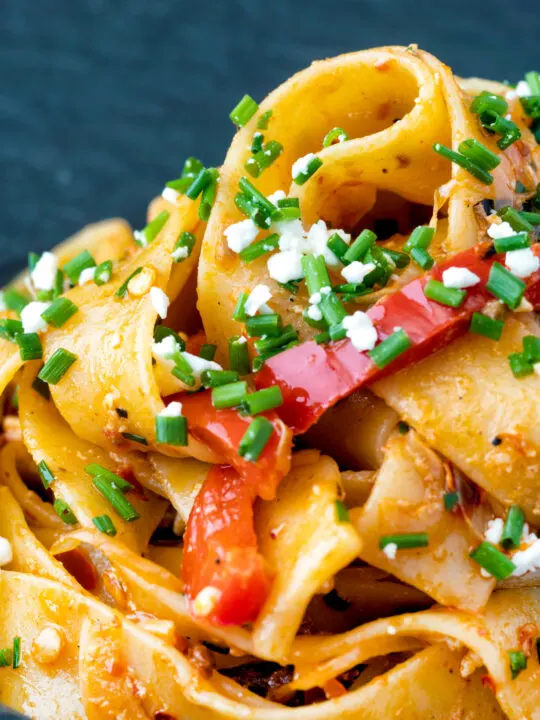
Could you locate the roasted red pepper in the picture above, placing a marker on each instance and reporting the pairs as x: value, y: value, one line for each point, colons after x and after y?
x: 314, y: 377
x: 220, y: 551
x: 222, y: 431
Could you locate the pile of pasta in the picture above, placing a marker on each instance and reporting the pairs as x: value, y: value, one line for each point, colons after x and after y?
x: 110, y: 597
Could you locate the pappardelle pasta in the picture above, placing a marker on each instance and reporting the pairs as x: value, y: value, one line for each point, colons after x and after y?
x: 276, y: 455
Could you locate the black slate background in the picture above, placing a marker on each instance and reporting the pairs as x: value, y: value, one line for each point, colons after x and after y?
x: 101, y: 100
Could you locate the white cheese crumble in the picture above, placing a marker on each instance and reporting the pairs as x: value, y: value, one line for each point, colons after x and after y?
x: 87, y: 275
x: 31, y: 317
x: 500, y: 230
x: 165, y: 349
x: 199, y: 364
x: 240, y: 235
x: 522, y: 263
x: 44, y: 274
x: 360, y: 331
x: 390, y: 551
x: 206, y: 601
x: 459, y: 277
x: 181, y: 253
x: 300, y: 167
x: 140, y: 237
x: 285, y: 266
x: 315, y: 299
x: 275, y: 196
x: 160, y: 301
x: 170, y: 195
x: 6, y: 552
x: 527, y: 560
x: 173, y: 409
x: 494, y: 531
x: 357, y: 271
x: 258, y: 297
x: 314, y: 313
x: 523, y: 89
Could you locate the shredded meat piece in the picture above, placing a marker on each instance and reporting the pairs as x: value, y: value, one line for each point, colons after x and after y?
x: 261, y: 678
x: 527, y: 634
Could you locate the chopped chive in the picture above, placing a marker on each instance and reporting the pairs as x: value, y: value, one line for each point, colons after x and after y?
x: 29, y: 346
x: 229, y: 396
x: 264, y: 158
x: 489, y: 101
x: 32, y: 261
x: 216, y: 378
x: 239, y: 355
x: 533, y: 218
x: 495, y: 123
x: 208, y: 195
x: 262, y: 123
x: 133, y: 437
x: 244, y: 111
x: 322, y: 338
x: 318, y: 324
x: 516, y: 221
x: 422, y: 258
x: 486, y: 326
x: 162, y: 331
x: 57, y: 366
x: 264, y: 325
x: 255, y: 438
x: 257, y: 142
x: 47, y: 478
x: 332, y: 309
x: 505, y: 286
x: 391, y: 348
x: 262, y: 400
x: 336, y: 135
x: 342, y: 514
x: 337, y: 245
x: 292, y: 286
x: 492, y: 560
x: 74, y: 267
x: 479, y: 154
x: 420, y: 237
x: 6, y: 657
x: 316, y: 273
x: 152, y: 230
x: 256, y: 197
x: 337, y: 332
x: 400, y: 259
x: 59, y: 312
x: 267, y: 344
x: 289, y: 202
x: 183, y: 370
x: 239, y: 312
x: 531, y: 106
x: 405, y: 541
x: 183, y: 246
x: 122, y: 290
x: 9, y: 329
x: 518, y: 662
x: 16, y: 652
x: 512, y: 242
x: 452, y: 297
x: 519, y: 365
x: 63, y: 510
x: 208, y: 351
x: 360, y: 246
x: 532, y: 79
x: 262, y: 219
x: 103, y: 273
x: 105, y: 525
x: 451, y: 499
x: 42, y: 388
x: 313, y: 165
x: 171, y: 430
x: 14, y: 300
x: 513, y: 527
x: 531, y: 348
x: 200, y: 182
x: 259, y: 248
x: 403, y: 427
x: 95, y: 470
x: 464, y: 162
x: 116, y: 498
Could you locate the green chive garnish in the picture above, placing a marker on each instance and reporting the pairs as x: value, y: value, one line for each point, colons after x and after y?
x: 505, y: 286
x: 531, y: 348
x: 513, y: 527
x: 391, y: 348
x: 492, y: 560
x: 420, y: 237
x: 216, y: 378
x: 209, y: 195
x: 486, y: 326
x: 264, y: 158
x: 405, y: 541
x: 259, y: 248
x: 47, y: 478
x: 255, y: 438
x: 184, y: 246
x: 239, y: 312
x: 116, y: 498
x: 171, y: 430
x: 162, y: 331
x: 533, y: 218
x: 135, y: 438
x: 9, y: 329
x: 338, y: 246
x: 270, y: 324
x: 342, y: 514
x: 41, y: 388
x: 516, y: 221
x: 64, y: 512
x: 495, y: 123
x: 489, y: 101
x: 479, y: 154
x: 313, y: 165
x: 201, y: 181
x: 14, y: 300
x: 518, y: 662
x: 96, y: 470
x: 122, y: 290
x: 262, y: 219
x: 29, y: 346
x: 316, y: 273
x: 512, y: 242
x: 360, y: 246
x: 16, y: 652
x: 183, y: 370
x: 464, y: 162
x: 451, y: 499
x: 152, y: 230
x: 400, y: 259
x: 262, y: 400
x: 229, y: 396
x: 103, y: 273
x: 263, y: 121
x: 257, y: 198
x: 336, y: 135
x: 520, y: 365
x: 532, y: 79
x: 57, y: 366
x: 244, y: 111
x: 208, y: 351
x: 239, y: 355
x: 74, y: 267
x: 105, y: 525
x: 322, y: 338
x: 452, y: 297
x: 422, y: 258
x: 59, y: 312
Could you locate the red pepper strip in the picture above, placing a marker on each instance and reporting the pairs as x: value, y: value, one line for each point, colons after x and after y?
x: 195, y: 342
x: 220, y: 550
x: 222, y: 431
x: 314, y: 377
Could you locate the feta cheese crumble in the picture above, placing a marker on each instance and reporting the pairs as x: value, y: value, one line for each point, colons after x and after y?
x: 199, y: 364
x: 300, y: 167
x: 140, y: 238
x: 240, y: 235
x: 522, y: 263
x: 173, y: 409
x: 314, y: 313
x: 6, y: 552
x: 527, y: 560
x: 500, y: 230
x: 494, y: 531
x: 285, y: 266
x: 459, y: 277
x: 357, y: 271
x: 258, y: 297
x: 160, y: 301
x: 181, y: 253
x: 360, y: 331
x: 44, y: 274
x: 523, y: 89
x: 87, y: 275
x: 390, y: 551
x: 31, y: 317
x: 170, y: 195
